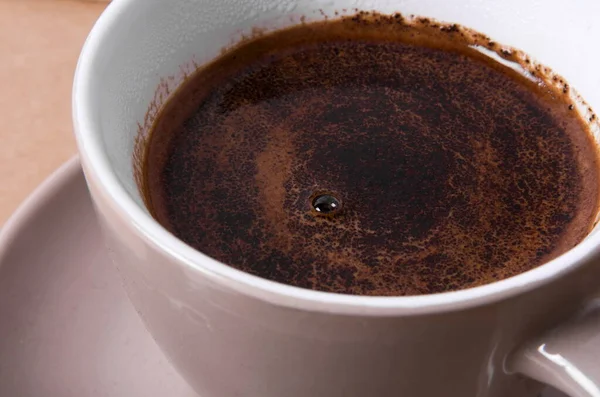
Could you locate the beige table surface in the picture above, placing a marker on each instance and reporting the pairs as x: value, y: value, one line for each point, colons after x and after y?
x: 39, y: 44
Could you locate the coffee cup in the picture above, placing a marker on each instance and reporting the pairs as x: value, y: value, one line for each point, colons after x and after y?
x: 230, y: 333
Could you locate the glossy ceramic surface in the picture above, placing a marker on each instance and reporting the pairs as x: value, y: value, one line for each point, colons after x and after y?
x: 229, y: 333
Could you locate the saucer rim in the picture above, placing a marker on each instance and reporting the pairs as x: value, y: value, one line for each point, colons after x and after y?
x: 35, y: 202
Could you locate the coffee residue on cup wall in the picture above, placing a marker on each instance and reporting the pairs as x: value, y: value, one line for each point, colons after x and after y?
x: 518, y: 58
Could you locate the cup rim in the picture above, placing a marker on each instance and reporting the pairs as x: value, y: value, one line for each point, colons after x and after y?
x: 99, y: 172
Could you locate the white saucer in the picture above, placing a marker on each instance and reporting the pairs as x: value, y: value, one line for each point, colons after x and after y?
x: 66, y: 326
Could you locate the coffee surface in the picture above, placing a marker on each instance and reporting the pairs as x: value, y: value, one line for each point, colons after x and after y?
x: 368, y: 157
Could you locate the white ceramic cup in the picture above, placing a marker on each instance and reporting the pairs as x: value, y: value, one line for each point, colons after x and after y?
x: 233, y: 334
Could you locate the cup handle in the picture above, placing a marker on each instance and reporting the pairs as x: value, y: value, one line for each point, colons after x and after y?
x: 566, y: 358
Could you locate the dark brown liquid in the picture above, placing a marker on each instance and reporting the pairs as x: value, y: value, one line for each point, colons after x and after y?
x: 449, y: 169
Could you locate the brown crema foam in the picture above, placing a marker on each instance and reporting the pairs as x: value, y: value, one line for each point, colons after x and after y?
x: 452, y: 170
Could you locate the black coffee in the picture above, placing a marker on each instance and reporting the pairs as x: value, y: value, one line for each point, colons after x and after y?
x: 368, y: 156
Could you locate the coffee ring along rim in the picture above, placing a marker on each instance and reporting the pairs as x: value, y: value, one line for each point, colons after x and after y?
x: 115, y: 196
